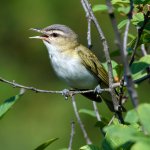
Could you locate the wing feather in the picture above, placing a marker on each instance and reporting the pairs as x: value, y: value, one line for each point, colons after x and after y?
x: 91, y: 62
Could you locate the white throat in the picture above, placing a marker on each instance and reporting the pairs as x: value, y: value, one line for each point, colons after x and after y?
x: 70, y: 69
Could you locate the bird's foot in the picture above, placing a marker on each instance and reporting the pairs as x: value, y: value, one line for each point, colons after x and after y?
x: 66, y: 93
x: 98, y: 90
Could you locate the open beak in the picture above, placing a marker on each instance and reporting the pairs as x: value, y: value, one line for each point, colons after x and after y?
x: 44, y: 35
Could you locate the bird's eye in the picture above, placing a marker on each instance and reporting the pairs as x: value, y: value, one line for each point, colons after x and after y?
x: 54, y: 35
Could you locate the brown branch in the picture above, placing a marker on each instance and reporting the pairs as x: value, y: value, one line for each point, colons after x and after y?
x: 71, y: 135
x: 87, y: 7
x: 88, y: 141
x: 127, y: 75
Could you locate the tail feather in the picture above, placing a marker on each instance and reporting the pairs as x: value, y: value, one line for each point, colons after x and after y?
x: 106, y: 96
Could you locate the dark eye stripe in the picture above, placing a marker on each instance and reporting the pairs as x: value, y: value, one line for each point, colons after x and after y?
x: 54, y: 35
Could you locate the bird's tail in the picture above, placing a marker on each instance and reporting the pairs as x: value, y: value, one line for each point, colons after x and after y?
x: 106, y: 97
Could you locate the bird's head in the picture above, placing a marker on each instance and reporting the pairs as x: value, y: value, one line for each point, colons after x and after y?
x: 56, y: 35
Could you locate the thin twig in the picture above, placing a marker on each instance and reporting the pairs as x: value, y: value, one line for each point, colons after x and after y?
x: 96, y: 111
x: 71, y: 135
x: 128, y: 77
x: 87, y: 7
x: 112, y: 119
x: 125, y: 39
x: 140, y: 31
x: 144, y: 52
x: 121, y: 91
x: 89, y: 33
x: 89, y: 46
x: 127, y: 73
x: 88, y: 141
x: 71, y: 92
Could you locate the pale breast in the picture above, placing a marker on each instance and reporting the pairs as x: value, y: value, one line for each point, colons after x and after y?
x: 71, y: 70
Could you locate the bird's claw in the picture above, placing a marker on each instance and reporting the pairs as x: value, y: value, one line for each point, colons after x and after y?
x: 98, y: 90
x: 66, y: 93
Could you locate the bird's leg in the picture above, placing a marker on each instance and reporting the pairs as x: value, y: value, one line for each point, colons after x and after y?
x: 66, y: 93
x: 98, y: 90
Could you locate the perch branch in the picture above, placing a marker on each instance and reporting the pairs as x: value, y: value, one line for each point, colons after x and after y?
x: 87, y: 7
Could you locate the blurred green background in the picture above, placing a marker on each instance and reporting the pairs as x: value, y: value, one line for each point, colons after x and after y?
x: 39, y: 117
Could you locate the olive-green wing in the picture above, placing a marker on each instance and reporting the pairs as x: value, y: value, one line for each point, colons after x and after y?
x: 91, y: 62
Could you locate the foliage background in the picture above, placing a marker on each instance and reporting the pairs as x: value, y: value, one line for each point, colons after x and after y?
x: 38, y: 117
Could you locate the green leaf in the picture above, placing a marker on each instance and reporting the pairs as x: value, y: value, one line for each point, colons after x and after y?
x: 141, y: 146
x: 104, y: 121
x: 46, y: 144
x: 117, y: 69
x: 143, y: 112
x: 7, y: 104
x: 120, y: 2
x: 131, y: 116
x: 145, y: 38
x: 137, y: 18
x: 132, y: 136
x: 114, y: 65
x: 141, y: 1
x: 138, y: 68
x: 118, y: 134
x: 89, y: 147
x: 122, y: 23
x: 106, y: 144
x: 100, y: 7
x: 124, y: 10
x: 88, y: 112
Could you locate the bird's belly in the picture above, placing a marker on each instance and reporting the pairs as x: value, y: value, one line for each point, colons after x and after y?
x: 74, y: 73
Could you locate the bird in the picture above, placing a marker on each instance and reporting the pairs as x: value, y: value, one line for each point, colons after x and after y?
x: 74, y: 63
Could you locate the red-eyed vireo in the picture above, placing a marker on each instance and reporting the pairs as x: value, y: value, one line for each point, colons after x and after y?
x: 74, y: 63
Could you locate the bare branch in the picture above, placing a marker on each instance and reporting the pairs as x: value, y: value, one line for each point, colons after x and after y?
x: 127, y: 74
x: 89, y: 33
x: 88, y: 141
x: 125, y: 39
x: 87, y: 7
x: 144, y: 52
x: 71, y: 92
x: 71, y: 135
x: 89, y: 46
x: 110, y: 122
x: 96, y: 111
